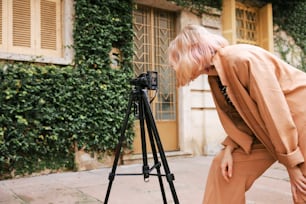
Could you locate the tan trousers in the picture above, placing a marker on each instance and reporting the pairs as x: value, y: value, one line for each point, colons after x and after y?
x: 246, y: 169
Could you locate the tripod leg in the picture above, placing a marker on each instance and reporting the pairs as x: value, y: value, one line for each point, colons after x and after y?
x: 145, y: 167
x: 151, y: 122
x: 157, y: 164
x: 118, y: 149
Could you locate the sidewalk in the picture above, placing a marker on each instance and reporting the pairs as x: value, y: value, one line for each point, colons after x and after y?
x: 89, y: 187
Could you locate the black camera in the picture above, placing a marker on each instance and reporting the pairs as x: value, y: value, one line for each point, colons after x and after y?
x: 146, y: 80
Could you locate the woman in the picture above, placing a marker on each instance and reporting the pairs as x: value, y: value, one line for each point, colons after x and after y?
x: 260, y: 102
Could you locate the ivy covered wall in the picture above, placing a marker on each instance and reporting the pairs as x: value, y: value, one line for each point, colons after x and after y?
x: 48, y: 112
x: 290, y: 33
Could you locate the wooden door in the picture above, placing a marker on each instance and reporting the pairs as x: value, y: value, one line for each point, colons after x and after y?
x: 153, y: 31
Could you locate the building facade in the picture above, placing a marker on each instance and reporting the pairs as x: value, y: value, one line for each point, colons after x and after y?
x: 186, y: 117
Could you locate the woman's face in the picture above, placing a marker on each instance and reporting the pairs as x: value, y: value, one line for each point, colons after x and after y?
x: 208, y: 71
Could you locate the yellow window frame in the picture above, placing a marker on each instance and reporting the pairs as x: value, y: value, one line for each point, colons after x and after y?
x: 264, y: 24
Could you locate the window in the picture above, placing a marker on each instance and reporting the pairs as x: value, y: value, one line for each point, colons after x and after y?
x: 154, y: 29
x: 251, y: 24
x: 33, y: 30
x: 246, y: 24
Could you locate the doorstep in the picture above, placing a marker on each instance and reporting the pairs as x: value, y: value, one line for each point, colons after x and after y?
x: 137, y: 158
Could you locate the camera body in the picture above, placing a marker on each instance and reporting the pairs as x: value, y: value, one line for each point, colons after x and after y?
x: 147, y: 80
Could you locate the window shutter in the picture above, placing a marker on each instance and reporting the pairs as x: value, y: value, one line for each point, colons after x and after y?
x: 22, y: 23
x: 246, y: 24
x: 30, y: 28
x: 50, y: 36
x: 48, y: 24
x: 266, y: 27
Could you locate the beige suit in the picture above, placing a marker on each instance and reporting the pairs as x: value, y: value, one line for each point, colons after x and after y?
x: 269, y: 95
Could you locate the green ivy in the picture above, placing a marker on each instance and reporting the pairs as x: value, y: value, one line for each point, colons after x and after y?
x: 46, y: 109
x: 99, y: 26
x: 199, y: 6
x: 290, y: 16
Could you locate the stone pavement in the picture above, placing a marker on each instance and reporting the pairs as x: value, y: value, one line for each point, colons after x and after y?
x: 89, y: 187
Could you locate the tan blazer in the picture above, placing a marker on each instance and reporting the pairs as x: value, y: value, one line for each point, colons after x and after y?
x: 270, y: 95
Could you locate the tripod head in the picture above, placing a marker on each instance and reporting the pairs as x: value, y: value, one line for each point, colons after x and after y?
x: 147, y: 80
x: 143, y: 83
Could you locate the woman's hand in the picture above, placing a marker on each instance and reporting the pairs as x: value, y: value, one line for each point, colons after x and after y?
x: 227, y: 163
x: 298, y: 182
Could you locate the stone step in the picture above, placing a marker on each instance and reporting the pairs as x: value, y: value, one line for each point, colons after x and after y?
x: 138, y: 158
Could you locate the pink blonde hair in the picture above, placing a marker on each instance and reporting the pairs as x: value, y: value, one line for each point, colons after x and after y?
x: 191, y: 52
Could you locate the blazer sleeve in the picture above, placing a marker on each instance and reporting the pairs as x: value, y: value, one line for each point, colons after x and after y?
x: 229, y: 142
x: 265, y: 74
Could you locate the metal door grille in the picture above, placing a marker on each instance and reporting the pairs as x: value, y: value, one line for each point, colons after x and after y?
x: 153, y: 31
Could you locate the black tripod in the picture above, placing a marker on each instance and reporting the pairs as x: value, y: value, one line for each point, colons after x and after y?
x: 139, y: 98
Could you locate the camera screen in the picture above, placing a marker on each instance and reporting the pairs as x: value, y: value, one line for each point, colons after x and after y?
x: 153, y: 80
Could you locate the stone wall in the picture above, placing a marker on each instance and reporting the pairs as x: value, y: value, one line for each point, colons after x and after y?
x: 285, y: 48
x: 200, y: 130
